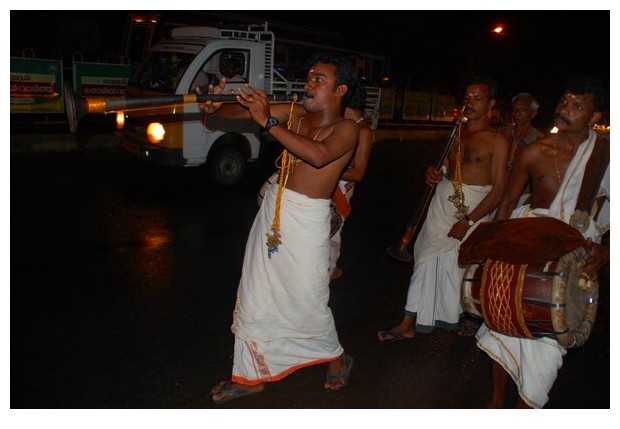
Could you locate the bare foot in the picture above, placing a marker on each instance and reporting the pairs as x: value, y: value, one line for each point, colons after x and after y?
x: 467, y: 327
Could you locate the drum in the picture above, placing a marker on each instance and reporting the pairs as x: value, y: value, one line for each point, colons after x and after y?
x: 261, y: 192
x: 553, y: 299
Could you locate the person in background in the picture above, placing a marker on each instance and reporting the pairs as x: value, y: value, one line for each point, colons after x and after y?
x: 231, y: 71
x: 354, y: 173
x: 521, y: 132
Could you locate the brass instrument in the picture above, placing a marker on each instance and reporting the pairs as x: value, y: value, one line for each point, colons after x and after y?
x: 400, y: 252
x: 77, y: 107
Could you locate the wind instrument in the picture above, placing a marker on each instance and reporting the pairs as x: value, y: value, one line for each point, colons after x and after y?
x: 400, y: 252
x: 77, y: 107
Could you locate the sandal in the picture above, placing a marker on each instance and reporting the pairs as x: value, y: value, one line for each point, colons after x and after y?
x: 391, y: 336
x: 342, y: 375
x: 225, y: 392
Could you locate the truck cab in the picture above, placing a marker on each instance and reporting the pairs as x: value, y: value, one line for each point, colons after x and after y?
x: 181, y: 135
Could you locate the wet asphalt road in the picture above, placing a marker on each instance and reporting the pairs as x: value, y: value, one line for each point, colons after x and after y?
x: 123, y: 282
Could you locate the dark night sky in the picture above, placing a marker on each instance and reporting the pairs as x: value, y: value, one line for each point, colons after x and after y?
x: 425, y: 49
x: 540, y: 50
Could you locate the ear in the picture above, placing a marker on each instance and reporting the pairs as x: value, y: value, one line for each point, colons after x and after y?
x: 492, y: 104
x: 341, y: 90
x: 534, y: 113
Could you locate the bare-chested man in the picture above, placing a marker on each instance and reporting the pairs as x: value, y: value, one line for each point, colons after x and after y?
x: 281, y: 320
x: 434, y: 294
x: 554, y: 167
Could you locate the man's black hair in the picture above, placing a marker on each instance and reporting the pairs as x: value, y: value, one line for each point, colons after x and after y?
x: 357, y: 100
x: 346, y: 73
x: 483, y: 80
x: 590, y: 84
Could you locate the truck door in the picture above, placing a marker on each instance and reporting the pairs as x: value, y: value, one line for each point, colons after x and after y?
x: 224, y: 145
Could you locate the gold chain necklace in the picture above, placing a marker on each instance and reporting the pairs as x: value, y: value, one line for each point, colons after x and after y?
x: 555, y: 161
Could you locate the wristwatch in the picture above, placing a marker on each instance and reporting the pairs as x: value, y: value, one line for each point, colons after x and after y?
x: 271, y: 122
x: 469, y: 221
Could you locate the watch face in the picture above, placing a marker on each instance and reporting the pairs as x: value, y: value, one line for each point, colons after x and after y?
x: 272, y: 122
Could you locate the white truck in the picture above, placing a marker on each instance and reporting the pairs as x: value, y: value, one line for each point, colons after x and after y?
x: 182, y: 135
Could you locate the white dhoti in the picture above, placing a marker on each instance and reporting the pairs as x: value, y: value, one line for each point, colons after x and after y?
x: 533, y: 364
x: 434, y: 295
x: 282, y: 321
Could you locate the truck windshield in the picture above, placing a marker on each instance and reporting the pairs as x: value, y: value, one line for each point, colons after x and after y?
x: 161, y: 71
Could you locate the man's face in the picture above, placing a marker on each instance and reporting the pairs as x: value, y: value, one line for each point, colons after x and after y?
x: 321, y: 88
x: 477, y: 103
x: 574, y: 112
x: 522, y: 113
x: 230, y: 69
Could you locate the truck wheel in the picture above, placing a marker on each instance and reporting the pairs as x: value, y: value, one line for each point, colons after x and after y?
x: 227, y: 166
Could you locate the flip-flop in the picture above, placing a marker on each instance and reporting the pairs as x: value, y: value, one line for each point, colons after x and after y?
x: 391, y: 336
x: 228, y: 389
x: 343, y: 375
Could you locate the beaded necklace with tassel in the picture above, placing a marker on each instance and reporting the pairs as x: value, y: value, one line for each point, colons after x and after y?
x: 288, y: 162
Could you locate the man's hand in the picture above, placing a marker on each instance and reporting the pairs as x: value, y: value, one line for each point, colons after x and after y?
x: 209, y: 106
x: 433, y: 176
x: 257, y: 103
x: 458, y: 230
x: 597, y: 258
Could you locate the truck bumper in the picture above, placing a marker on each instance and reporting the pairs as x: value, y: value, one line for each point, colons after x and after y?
x: 156, y: 154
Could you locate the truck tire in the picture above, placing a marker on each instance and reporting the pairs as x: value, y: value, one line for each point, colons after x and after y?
x: 227, y: 166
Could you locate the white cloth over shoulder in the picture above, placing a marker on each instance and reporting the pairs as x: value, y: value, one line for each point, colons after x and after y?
x: 563, y: 205
x: 434, y: 294
x: 282, y: 320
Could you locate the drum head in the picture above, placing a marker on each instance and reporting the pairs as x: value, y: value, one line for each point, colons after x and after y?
x: 573, y: 322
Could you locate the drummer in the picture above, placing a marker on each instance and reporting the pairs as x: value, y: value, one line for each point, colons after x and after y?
x: 554, y: 166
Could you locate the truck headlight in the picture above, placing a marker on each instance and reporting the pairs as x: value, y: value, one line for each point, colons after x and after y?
x: 120, y: 120
x: 155, y: 132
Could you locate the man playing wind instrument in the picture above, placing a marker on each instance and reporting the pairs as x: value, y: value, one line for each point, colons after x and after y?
x: 466, y: 195
x: 281, y: 320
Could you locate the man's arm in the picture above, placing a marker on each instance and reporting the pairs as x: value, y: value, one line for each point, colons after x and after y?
x: 319, y: 154
x: 359, y: 164
x: 516, y: 185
